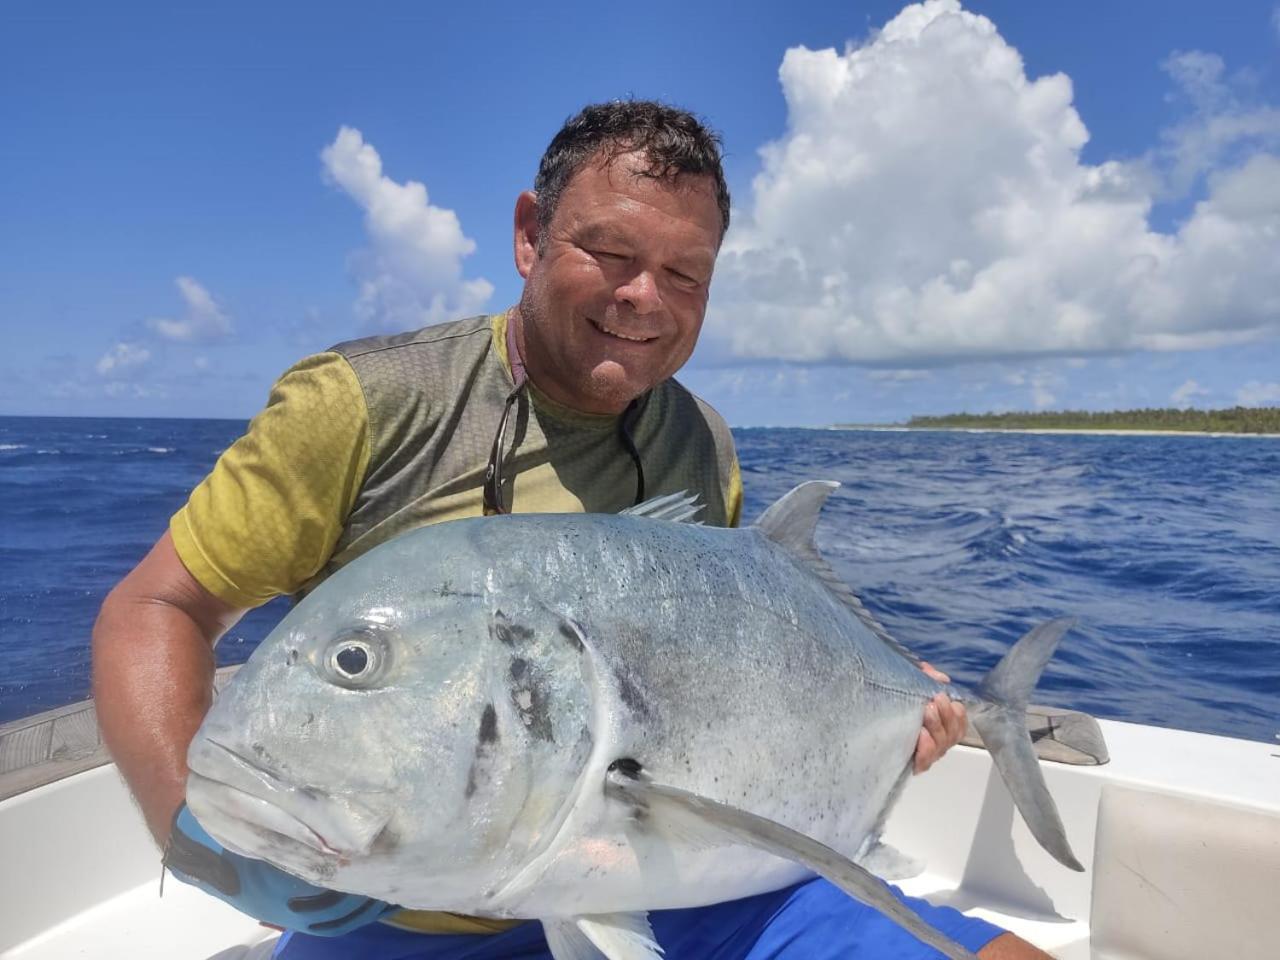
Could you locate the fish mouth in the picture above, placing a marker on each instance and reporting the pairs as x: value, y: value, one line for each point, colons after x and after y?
x: 255, y: 811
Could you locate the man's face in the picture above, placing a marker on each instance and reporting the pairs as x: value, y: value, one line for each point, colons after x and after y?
x: 616, y: 290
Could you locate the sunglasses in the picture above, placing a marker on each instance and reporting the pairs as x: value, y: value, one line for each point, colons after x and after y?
x: 493, y: 472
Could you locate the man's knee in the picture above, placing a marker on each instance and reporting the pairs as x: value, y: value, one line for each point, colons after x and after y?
x: 1007, y: 946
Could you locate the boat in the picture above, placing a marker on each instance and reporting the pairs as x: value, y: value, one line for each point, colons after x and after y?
x: 1179, y: 833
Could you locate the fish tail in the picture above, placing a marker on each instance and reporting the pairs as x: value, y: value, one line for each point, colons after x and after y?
x: 998, y: 714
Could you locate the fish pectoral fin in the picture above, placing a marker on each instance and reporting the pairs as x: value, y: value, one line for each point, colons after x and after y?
x: 567, y: 942
x: 612, y: 936
x: 660, y: 802
x: 888, y: 862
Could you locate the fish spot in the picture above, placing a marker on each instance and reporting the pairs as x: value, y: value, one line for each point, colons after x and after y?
x: 447, y: 589
x: 531, y: 698
x: 489, y: 724
x: 504, y: 631
x: 629, y: 767
x: 573, y: 633
x: 478, y: 772
x: 532, y: 701
x: 631, y: 696
x: 291, y: 657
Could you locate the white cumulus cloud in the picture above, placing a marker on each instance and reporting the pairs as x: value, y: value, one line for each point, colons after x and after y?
x: 1220, y: 120
x: 411, y: 273
x: 928, y: 204
x: 900, y: 376
x: 123, y: 359
x: 1258, y: 394
x: 1185, y: 395
x: 203, y: 321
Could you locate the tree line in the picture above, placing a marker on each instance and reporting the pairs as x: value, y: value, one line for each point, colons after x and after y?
x: 1231, y: 420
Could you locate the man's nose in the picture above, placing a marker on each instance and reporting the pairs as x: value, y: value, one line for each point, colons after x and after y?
x: 640, y: 292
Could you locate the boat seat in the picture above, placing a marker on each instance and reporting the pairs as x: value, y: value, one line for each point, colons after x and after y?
x: 1178, y: 877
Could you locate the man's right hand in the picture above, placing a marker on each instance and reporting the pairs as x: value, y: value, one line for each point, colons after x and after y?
x: 262, y: 891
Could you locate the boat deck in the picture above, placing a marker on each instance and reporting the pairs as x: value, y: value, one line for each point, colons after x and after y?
x: 1180, y: 834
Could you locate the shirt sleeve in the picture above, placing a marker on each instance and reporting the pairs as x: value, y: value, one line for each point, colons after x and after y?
x: 268, y: 516
x: 733, y: 498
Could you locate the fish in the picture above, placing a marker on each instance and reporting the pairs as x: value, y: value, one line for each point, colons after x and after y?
x: 582, y: 718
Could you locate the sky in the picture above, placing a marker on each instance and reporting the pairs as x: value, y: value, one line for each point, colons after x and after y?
x: 936, y: 207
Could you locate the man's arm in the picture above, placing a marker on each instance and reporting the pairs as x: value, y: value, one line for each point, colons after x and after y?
x: 153, y: 676
x: 153, y: 681
x: 262, y: 523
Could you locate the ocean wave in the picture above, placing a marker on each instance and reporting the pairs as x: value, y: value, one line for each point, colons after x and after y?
x: 1166, y: 551
x: 139, y: 451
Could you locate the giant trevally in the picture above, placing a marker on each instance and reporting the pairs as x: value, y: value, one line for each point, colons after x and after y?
x: 581, y: 718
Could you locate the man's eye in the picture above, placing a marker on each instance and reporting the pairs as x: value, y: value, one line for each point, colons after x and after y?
x: 607, y: 255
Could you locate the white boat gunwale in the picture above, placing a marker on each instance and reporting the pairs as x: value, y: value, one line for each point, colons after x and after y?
x: 1180, y: 833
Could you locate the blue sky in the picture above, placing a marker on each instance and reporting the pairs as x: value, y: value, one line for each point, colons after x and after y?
x: 1008, y: 205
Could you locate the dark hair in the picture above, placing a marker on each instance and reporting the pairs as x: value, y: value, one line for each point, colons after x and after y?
x: 673, y: 141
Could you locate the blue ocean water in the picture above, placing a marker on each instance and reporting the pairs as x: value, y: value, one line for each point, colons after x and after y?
x: 1166, y: 549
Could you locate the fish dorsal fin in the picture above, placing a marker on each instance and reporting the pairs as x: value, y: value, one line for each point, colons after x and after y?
x: 679, y: 507
x: 791, y: 523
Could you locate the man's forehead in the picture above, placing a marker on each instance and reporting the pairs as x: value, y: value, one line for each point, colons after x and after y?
x: 619, y: 167
x: 605, y: 190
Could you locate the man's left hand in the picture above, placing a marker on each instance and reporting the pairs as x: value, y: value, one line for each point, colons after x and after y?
x: 944, y: 725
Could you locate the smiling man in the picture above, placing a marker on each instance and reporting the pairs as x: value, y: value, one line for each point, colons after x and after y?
x: 617, y: 280
x: 563, y: 403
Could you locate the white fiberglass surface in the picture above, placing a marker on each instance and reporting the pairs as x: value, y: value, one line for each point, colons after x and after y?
x: 81, y: 876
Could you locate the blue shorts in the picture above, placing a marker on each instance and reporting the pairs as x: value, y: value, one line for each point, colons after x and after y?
x: 810, y: 921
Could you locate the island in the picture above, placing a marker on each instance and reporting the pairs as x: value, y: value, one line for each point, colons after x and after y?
x: 1252, y: 420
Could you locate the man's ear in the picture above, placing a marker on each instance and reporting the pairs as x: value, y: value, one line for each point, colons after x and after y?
x: 526, y: 232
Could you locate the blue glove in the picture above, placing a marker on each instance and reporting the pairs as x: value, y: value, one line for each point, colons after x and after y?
x: 262, y: 891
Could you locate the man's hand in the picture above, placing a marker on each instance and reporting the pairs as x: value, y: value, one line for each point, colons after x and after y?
x: 257, y: 888
x: 944, y: 725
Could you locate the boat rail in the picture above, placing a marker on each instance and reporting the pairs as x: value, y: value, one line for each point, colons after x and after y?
x: 58, y: 743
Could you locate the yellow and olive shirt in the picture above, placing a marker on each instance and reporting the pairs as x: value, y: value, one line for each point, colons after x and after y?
x: 381, y: 435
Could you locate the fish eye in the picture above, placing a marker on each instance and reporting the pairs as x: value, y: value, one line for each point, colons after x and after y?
x: 352, y: 659
x: 357, y: 659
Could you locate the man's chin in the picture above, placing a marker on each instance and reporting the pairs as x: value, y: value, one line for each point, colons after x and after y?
x: 607, y: 388
x: 611, y: 387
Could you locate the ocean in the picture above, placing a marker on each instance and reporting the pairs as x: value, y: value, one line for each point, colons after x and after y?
x: 1166, y: 549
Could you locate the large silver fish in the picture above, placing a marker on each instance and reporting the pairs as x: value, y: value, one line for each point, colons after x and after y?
x: 581, y: 718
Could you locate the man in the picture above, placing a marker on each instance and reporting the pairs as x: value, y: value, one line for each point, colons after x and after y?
x: 617, y: 248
